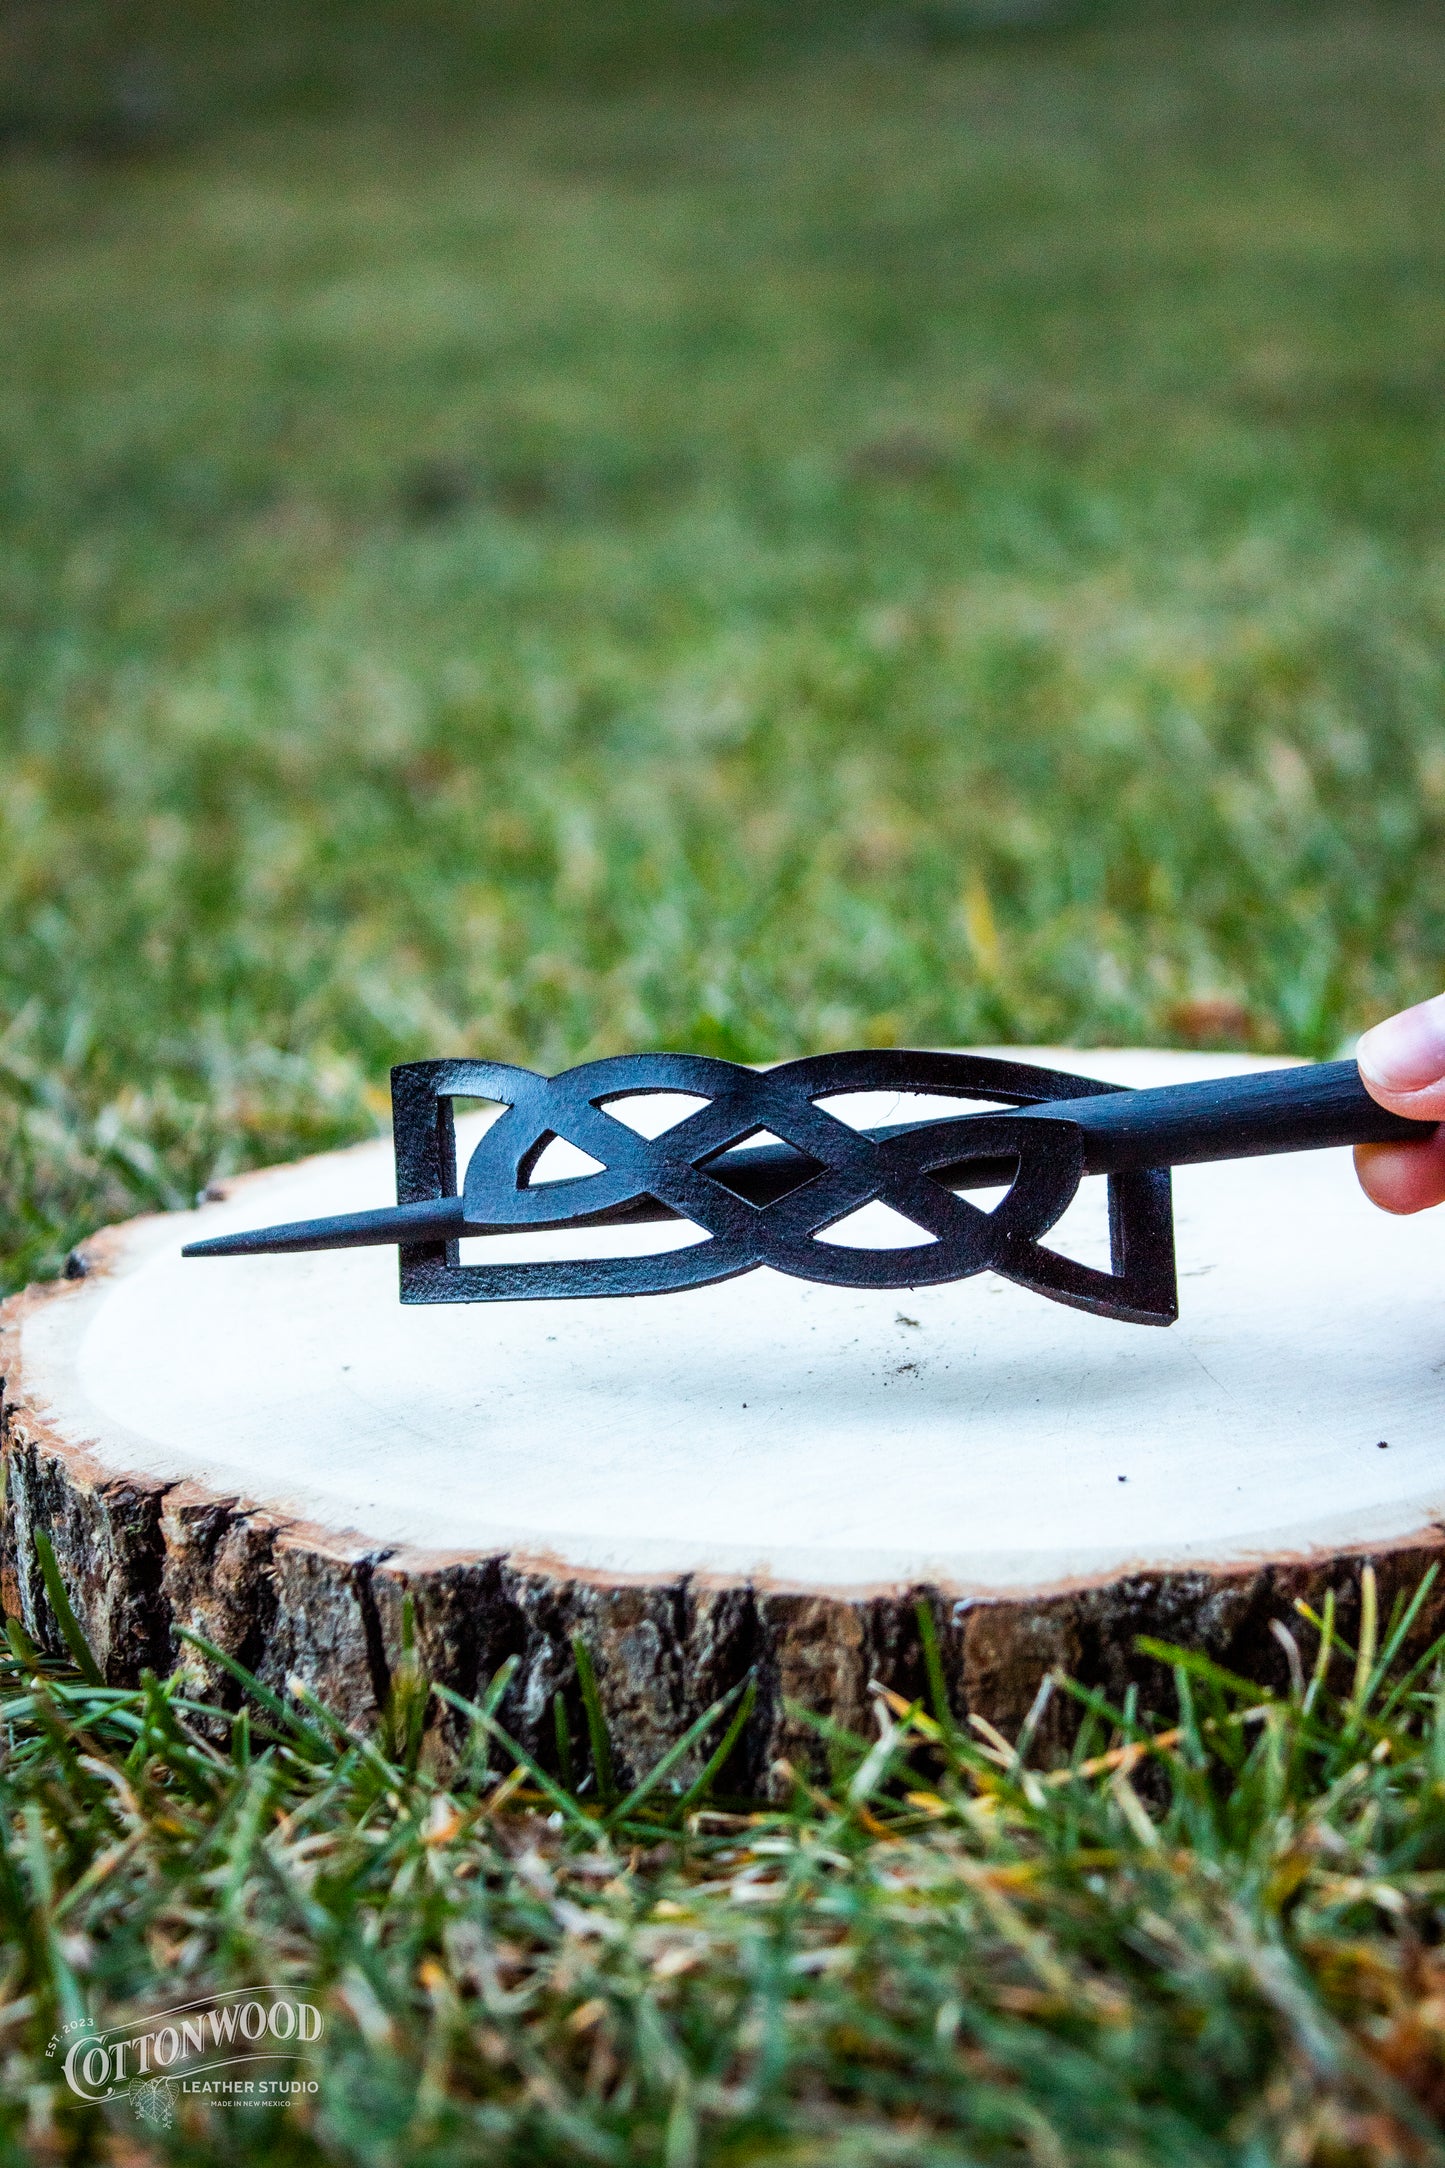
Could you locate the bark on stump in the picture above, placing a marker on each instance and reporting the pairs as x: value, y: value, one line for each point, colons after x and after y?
x: 763, y: 1477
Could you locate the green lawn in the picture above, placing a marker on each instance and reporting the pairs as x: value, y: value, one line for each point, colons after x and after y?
x: 1215, y: 1945
x: 755, y: 540
x: 902, y: 542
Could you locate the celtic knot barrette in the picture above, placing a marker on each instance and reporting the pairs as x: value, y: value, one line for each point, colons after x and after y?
x: 764, y: 1171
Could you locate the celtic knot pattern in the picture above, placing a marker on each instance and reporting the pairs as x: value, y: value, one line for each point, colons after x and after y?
x: 679, y: 1170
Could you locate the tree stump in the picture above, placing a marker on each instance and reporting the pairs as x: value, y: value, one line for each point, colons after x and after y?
x: 767, y: 1476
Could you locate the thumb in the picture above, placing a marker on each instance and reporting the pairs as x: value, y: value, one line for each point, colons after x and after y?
x: 1402, y: 1061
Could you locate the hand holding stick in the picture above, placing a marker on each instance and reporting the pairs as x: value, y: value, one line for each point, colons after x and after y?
x: 1402, y: 1066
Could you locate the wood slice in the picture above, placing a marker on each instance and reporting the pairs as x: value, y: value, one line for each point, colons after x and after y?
x: 764, y: 1475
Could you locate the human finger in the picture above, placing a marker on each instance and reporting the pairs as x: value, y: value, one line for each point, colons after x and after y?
x: 1403, y: 1177
x: 1402, y: 1061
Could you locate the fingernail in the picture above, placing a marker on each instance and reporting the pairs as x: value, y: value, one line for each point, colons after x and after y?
x: 1406, y: 1052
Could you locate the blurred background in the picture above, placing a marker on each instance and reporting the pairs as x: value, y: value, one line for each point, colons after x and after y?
x: 535, y: 529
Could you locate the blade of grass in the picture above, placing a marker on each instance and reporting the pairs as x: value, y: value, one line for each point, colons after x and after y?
x: 22, y: 1648
x: 692, y: 1799
x: 675, y: 1753
x: 1395, y: 1639
x: 1325, y: 1628
x: 877, y: 1765
x: 390, y: 1771
x: 1369, y: 1631
x: 65, y: 1618
x: 563, y: 1801
x: 42, y: 1888
x: 937, y: 1690
x: 475, y: 1753
x: 563, y: 1734
x: 262, y: 1694
x: 597, y: 1732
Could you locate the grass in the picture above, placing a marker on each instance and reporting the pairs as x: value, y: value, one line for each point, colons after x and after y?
x: 752, y: 540
x: 1211, y: 1942
x: 908, y: 541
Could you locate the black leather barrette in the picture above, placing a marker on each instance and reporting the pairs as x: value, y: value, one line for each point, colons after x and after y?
x: 764, y: 1171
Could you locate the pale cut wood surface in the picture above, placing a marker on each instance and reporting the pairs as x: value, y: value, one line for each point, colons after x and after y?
x: 764, y: 1474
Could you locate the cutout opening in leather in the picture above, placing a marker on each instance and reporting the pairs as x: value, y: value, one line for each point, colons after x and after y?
x: 781, y: 1181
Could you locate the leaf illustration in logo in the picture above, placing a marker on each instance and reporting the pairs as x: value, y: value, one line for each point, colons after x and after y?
x: 155, y: 2103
